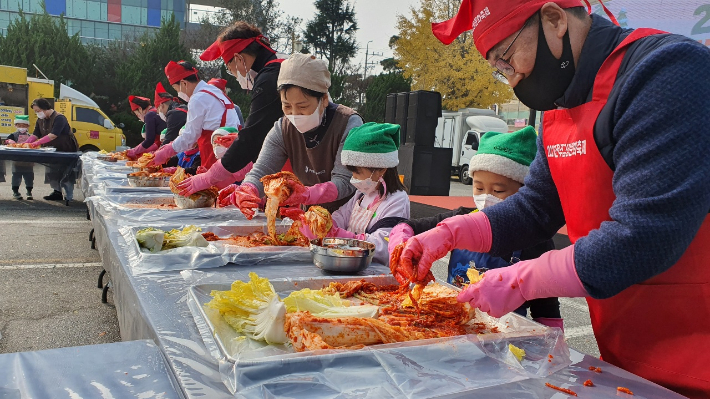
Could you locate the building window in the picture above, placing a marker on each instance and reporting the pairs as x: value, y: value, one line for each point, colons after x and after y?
x: 101, y: 30
x: 87, y: 28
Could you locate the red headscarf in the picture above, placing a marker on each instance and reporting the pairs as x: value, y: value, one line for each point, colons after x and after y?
x: 228, y: 48
x: 491, y: 20
x: 218, y: 83
x: 176, y: 72
x: 134, y: 106
x: 158, y: 99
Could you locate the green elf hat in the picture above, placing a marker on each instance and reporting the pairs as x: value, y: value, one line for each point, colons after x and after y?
x: 372, y: 145
x: 223, y: 131
x: 506, y: 154
x: 22, y: 119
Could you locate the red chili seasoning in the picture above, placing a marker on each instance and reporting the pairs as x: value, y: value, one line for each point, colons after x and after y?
x: 598, y: 370
x: 591, y: 368
x: 550, y: 356
x: 565, y: 390
x: 624, y: 390
x: 588, y: 383
x: 500, y: 277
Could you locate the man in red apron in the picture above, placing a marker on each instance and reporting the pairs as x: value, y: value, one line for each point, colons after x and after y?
x: 622, y: 160
x: 208, y: 110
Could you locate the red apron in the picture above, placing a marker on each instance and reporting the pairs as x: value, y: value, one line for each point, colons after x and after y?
x: 204, y: 142
x: 658, y: 329
x: 287, y: 166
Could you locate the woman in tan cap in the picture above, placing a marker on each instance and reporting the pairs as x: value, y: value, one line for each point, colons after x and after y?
x: 310, y: 135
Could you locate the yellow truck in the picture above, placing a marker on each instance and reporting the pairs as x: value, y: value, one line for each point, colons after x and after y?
x: 93, y: 129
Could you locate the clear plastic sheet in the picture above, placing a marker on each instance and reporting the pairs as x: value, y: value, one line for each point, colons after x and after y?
x: 155, y: 306
x: 421, y: 368
x: 120, y: 206
x: 135, y: 369
x: 216, y: 254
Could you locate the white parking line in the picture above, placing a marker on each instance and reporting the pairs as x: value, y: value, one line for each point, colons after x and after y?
x: 44, y: 221
x: 50, y: 266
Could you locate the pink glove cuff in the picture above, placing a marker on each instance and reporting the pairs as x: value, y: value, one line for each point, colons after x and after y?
x: 31, y: 139
x: 551, y: 275
x: 471, y: 232
x: 321, y: 193
x: 44, y: 140
x: 152, y: 148
x: 240, y: 175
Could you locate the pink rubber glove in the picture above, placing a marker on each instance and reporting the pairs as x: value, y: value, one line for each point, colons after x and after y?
x: 236, y: 176
x: 44, y: 140
x: 170, y: 170
x: 399, y: 234
x: 318, y: 194
x: 471, y: 232
x: 31, y: 139
x: 291, y: 212
x: 136, y: 151
x: 503, y: 290
x: 306, y: 231
x: 216, y: 174
x: 246, y: 198
x: 163, y: 155
x: 8, y: 141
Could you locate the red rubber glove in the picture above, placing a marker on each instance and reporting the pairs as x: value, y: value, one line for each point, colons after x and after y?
x: 503, y: 290
x: 246, y: 198
x: 8, y: 141
x: 163, y: 155
x: 291, y: 212
x: 170, y: 170
x: 318, y: 194
x: 472, y: 232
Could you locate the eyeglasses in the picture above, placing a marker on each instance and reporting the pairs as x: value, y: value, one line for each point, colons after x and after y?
x: 503, y: 67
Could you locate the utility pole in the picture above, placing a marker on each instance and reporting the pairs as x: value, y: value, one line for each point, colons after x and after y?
x: 367, y: 51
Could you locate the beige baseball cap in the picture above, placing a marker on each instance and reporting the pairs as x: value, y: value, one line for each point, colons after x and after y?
x: 305, y: 70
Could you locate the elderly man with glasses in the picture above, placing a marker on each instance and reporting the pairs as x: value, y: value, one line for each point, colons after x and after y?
x: 622, y: 161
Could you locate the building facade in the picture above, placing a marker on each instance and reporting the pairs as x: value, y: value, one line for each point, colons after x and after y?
x: 100, y: 21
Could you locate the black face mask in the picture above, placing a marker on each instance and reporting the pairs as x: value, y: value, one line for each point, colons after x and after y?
x: 550, y: 76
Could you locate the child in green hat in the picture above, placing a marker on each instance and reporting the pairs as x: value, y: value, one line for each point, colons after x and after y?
x: 498, y: 170
x: 21, y: 170
x: 370, y: 152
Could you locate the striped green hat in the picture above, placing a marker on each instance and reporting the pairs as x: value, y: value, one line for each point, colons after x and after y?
x: 506, y: 154
x: 22, y: 119
x: 372, y: 145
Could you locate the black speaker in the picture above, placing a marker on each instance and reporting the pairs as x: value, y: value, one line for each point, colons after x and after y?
x: 391, y: 108
x: 401, y: 115
x: 423, y: 112
x: 426, y: 170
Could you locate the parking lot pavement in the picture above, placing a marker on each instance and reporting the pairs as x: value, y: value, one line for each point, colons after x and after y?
x: 48, y: 274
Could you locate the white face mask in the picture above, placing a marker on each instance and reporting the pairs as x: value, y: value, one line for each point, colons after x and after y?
x: 485, y: 200
x: 306, y: 123
x: 183, y: 96
x: 219, y: 151
x: 367, y: 186
x: 22, y: 130
x: 162, y: 116
x: 40, y: 115
x: 246, y: 82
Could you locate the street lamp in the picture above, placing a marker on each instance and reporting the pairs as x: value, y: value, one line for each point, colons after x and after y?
x: 367, y: 50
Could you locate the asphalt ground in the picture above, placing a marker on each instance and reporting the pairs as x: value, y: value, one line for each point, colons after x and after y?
x: 48, y: 276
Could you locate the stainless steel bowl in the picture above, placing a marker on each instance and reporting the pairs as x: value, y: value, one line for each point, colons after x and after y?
x: 142, y: 181
x: 342, y: 255
x: 203, y: 201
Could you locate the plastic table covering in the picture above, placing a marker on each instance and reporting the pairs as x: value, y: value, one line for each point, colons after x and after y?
x: 154, y: 306
x: 135, y: 369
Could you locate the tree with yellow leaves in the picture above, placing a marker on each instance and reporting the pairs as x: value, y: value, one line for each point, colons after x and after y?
x: 457, y: 71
